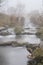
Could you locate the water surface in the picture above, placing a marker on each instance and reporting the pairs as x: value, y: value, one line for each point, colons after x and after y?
x: 13, y: 56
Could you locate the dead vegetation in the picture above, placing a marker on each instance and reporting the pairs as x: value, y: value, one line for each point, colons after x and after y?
x: 36, y: 18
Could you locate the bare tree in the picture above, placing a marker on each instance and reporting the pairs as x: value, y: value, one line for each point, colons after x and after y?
x: 36, y: 18
x: 17, y: 17
x: 20, y: 18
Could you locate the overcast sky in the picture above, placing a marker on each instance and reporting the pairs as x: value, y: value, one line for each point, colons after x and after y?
x: 30, y: 5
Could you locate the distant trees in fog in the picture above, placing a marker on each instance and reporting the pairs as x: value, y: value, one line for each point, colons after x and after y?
x: 36, y: 18
x: 15, y: 18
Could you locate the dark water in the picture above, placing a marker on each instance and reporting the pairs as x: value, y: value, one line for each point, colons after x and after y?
x: 13, y: 56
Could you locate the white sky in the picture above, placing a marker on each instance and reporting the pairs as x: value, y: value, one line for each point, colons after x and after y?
x: 29, y: 4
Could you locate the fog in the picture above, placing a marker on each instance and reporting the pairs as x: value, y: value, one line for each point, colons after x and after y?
x: 29, y: 5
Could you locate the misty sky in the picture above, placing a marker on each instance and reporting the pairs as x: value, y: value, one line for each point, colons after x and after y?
x: 30, y: 5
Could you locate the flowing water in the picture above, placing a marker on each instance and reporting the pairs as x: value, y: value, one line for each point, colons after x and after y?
x: 17, y: 55
x: 22, y: 38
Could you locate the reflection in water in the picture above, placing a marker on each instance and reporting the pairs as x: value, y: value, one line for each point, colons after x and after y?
x: 13, y: 56
x: 18, y: 37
